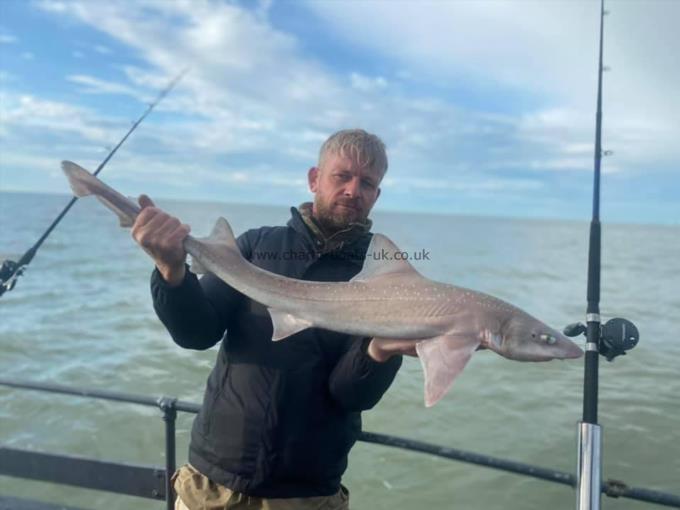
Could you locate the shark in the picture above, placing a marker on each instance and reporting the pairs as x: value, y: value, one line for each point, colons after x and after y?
x: 388, y: 299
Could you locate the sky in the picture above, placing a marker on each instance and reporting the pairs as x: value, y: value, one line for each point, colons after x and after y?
x: 486, y: 107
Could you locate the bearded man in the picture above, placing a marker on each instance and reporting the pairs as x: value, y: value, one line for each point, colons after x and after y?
x: 278, y: 418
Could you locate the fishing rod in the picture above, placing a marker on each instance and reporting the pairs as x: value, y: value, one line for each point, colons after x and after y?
x: 10, y: 270
x: 612, y: 339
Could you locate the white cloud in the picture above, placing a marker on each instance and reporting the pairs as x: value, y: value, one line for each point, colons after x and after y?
x: 27, y: 55
x: 259, y: 177
x: 29, y: 112
x: 92, y: 85
x: 52, y: 6
x: 237, y: 61
x: 7, y: 39
x: 15, y: 161
x: 7, y: 77
x: 253, y: 93
x: 512, y: 43
x: 366, y: 83
x: 102, y: 49
x: 578, y: 149
x: 544, y: 48
x: 473, y: 185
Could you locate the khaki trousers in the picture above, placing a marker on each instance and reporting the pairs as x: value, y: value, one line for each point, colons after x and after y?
x: 196, y: 492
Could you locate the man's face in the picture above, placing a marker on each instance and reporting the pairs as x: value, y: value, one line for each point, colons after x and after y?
x: 344, y: 192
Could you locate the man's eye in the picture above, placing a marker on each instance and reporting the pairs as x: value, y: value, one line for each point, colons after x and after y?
x: 368, y: 184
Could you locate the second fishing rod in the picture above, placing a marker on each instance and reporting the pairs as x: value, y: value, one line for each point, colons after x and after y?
x: 612, y: 339
x: 11, y: 270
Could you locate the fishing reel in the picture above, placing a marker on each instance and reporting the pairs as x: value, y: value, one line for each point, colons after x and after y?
x: 616, y: 336
x: 9, y: 271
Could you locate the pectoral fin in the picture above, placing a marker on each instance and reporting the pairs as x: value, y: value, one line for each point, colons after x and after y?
x: 286, y: 324
x: 443, y: 358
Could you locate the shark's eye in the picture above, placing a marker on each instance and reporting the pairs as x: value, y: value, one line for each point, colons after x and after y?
x: 549, y: 339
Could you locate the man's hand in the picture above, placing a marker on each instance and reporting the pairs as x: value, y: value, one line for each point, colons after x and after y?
x: 381, y: 349
x: 162, y: 237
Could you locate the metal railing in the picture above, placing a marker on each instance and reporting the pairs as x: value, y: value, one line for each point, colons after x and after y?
x: 154, y: 482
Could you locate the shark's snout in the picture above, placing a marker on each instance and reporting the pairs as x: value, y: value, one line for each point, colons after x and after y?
x: 559, y: 346
x: 570, y: 349
x: 527, y: 339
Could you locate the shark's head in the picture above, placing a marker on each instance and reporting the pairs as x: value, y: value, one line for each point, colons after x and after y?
x: 524, y: 338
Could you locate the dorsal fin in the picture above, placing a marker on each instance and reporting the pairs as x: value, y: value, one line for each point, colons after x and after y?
x: 221, y: 234
x: 382, y: 258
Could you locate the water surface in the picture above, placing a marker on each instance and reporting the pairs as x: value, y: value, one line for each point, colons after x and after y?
x: 82, y: 316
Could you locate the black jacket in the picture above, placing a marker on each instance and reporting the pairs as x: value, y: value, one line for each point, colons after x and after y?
x: 278, y: 418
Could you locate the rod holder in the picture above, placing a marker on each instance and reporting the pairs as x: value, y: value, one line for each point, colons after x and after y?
x: 589, y: 467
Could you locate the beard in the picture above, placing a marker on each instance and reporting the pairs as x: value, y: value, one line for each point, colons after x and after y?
x: 332, y: 218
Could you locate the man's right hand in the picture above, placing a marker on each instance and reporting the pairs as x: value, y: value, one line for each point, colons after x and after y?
x: 162, y: 237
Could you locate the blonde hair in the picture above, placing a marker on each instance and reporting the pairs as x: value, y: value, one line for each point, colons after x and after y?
x: 358, y: 145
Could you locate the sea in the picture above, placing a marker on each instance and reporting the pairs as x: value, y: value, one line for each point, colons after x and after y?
x: 81, y: 316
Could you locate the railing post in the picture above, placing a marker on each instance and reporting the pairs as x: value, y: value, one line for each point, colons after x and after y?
x: 169, y: 407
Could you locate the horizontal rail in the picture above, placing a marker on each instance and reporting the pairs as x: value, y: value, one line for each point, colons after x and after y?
x: 611, y: 488
x: 133, y: 480
x: 471, y: 458
x: 7, y: 503
x: 117, y: 396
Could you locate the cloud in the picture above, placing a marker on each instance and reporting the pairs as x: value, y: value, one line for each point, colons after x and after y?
x: 7, y: 39
x: 474, y: 185
x: 26, y: 112
x: 45, y: 164
x: 365, y: 83
x: 102, y: 49
x: 497, y: 40
x: 6, y: 77
x: 256, y: 104
x: 252, y: 87
x: 53, y: 6
x: 92, y: 85
x: 265, y: 178
x: 546, y: 49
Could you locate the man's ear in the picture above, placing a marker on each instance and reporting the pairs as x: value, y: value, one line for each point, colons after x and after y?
x: 313, y: 178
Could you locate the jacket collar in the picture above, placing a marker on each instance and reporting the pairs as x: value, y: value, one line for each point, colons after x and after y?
x: 354, y: 237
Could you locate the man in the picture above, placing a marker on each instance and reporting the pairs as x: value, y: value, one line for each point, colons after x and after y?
x: 278, y: 418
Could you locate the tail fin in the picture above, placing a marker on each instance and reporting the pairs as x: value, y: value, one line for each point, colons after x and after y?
x: 83, y: 183
x: 78, y: 178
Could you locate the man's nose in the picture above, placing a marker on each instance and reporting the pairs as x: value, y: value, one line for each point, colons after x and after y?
x: 352, y: 188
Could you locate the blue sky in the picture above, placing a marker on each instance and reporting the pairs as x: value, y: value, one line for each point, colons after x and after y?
x: 487, y: 107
